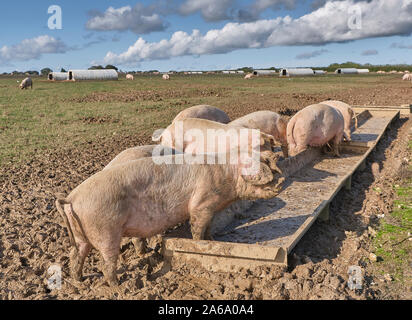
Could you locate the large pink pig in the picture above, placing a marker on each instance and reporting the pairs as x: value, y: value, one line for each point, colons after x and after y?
x: 347, y: 113
x: 142, y: 198
x: 315, y: 125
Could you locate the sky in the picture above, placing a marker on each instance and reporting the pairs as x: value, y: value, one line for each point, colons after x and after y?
x: 202, y: 34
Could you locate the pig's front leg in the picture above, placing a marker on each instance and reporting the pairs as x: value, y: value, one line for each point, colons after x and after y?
x: 200, y: 222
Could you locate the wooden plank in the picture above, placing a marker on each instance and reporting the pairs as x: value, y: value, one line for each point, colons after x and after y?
x: 404, y: 109
x: 307, y: 224
x: 230, y: 249
x: 222, y: 263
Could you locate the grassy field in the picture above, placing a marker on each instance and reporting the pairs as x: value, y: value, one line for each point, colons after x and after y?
x: 57, y: 114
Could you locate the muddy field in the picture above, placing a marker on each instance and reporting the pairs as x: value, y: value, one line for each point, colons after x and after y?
x: 32, y: 237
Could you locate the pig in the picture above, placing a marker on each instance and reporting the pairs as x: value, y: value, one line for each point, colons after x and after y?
x: 184, y: 136
x: 249, y: 76
x: 129, y: 77
x: 166, y: 77
x: 158, y: 150
x: 347, y: 113
x: 203, y: 111
x: 136, y: 153
x: 315, y: 126
x: 140, y: 152
x: 145, y: 197
x: 268, y: 122
x: 27, y: 82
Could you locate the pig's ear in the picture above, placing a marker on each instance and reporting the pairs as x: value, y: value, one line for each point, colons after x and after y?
x: 264, y: 176
x: 157, y: 135
x: 264, y: 137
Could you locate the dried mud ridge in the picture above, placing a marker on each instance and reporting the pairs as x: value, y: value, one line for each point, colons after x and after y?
x: 99, y: 120
x: 32, y: 238
x: 147, y: 95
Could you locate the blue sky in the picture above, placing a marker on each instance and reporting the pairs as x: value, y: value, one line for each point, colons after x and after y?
x: 232, y: 34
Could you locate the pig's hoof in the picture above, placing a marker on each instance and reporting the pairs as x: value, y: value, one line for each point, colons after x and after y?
x: 113, y: 282
x: 209, y: 237
x: 77, y: 276
x: 139, y: 246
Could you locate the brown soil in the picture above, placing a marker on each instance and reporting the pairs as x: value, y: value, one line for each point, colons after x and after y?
x: 147, y: 95
x: 90, y: 120
x: 32, y: 237
x: 288, y: 104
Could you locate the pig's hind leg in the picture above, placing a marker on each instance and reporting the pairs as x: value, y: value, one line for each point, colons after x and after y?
x: 77, y: 257
x: 336, y: 142
x: 109, y: 248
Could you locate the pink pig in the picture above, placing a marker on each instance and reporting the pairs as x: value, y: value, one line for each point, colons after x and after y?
x: 315, y: 125
x: 347, y: 113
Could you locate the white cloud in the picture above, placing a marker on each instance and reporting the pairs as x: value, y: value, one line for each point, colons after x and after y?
x: 212, y: 10
x: 325, y: 25
x: 32, y: 49
x: 310, y: 55
x: 139, y: 19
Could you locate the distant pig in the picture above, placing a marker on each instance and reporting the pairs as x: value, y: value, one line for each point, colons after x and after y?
x: 315, y: 125
x: 203, y: 111
x: 26, y: 83
x: 268, y: 122
x: 143, y: 198
x: 347, y: 113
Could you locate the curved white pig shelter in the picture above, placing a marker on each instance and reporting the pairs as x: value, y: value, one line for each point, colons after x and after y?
x: 264, y: 72
x: 58, y: 76
x: 346, y: 71
x: 108, y: 74
x: 319, y: 72
x: 296, y: 72
x: 363, y: 70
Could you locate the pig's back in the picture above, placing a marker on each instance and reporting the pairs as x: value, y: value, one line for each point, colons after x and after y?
x: 319, y: 123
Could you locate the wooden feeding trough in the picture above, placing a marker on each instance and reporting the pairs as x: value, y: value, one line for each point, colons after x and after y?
x: 270, y: 229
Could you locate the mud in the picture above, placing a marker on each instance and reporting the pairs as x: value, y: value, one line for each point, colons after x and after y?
x: 147, y: 95
x: 32, y: 238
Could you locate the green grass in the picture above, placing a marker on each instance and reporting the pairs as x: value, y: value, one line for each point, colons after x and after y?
x: 391, y: 242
